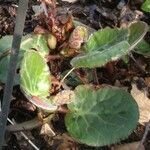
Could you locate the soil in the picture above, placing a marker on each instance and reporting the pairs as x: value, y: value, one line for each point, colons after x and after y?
x: 96, y: 14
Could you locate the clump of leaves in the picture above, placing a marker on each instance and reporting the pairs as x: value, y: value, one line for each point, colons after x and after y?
x: 38, y: 42
x: 96, y: 117
x: 109, y: 45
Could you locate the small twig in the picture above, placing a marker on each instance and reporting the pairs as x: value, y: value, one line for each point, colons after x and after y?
x: 29, y: 125
x: 66, y: 75
x: 144, y: 136
x: 24, y: 135
x: 63, y: 79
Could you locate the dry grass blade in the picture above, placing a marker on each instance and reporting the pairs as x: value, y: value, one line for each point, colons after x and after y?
x: 29, y: 141
x: 143, y: 104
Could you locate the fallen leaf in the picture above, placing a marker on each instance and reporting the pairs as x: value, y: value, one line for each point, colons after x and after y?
x: 128, y: 146
x: 143, y: 103
x: 47, y: 130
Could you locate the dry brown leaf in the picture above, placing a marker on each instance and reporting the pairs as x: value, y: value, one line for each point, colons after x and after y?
x: 128, y: 146
x: 143, y: 103
x: 47, y: 130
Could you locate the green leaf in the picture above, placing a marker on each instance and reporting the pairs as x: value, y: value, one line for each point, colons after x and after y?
x: 36, y: 79
x: 100, y: 58
x: 143, y: 48
x: 5, y: 46
x: 109, y: 45
x: 101, y: 117
x: 137, y: 31
x: 35, y: 75
x: 28, y: 42
x: 3, y: 71
x: 105, y: 38
x: 146, y: 6
x: 5, y: 43
x: 38, y: 42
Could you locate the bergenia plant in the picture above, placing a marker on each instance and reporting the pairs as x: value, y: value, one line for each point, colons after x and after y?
x: 96, y: 116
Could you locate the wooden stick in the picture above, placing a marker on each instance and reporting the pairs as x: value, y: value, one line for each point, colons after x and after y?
x: 19, y: 26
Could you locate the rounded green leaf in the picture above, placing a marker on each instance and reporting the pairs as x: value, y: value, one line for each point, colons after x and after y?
x: 35, y: 75
x: 101, y: 117
x: 100, y: 58
x: 103, y: 46
x: 35, y: 79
